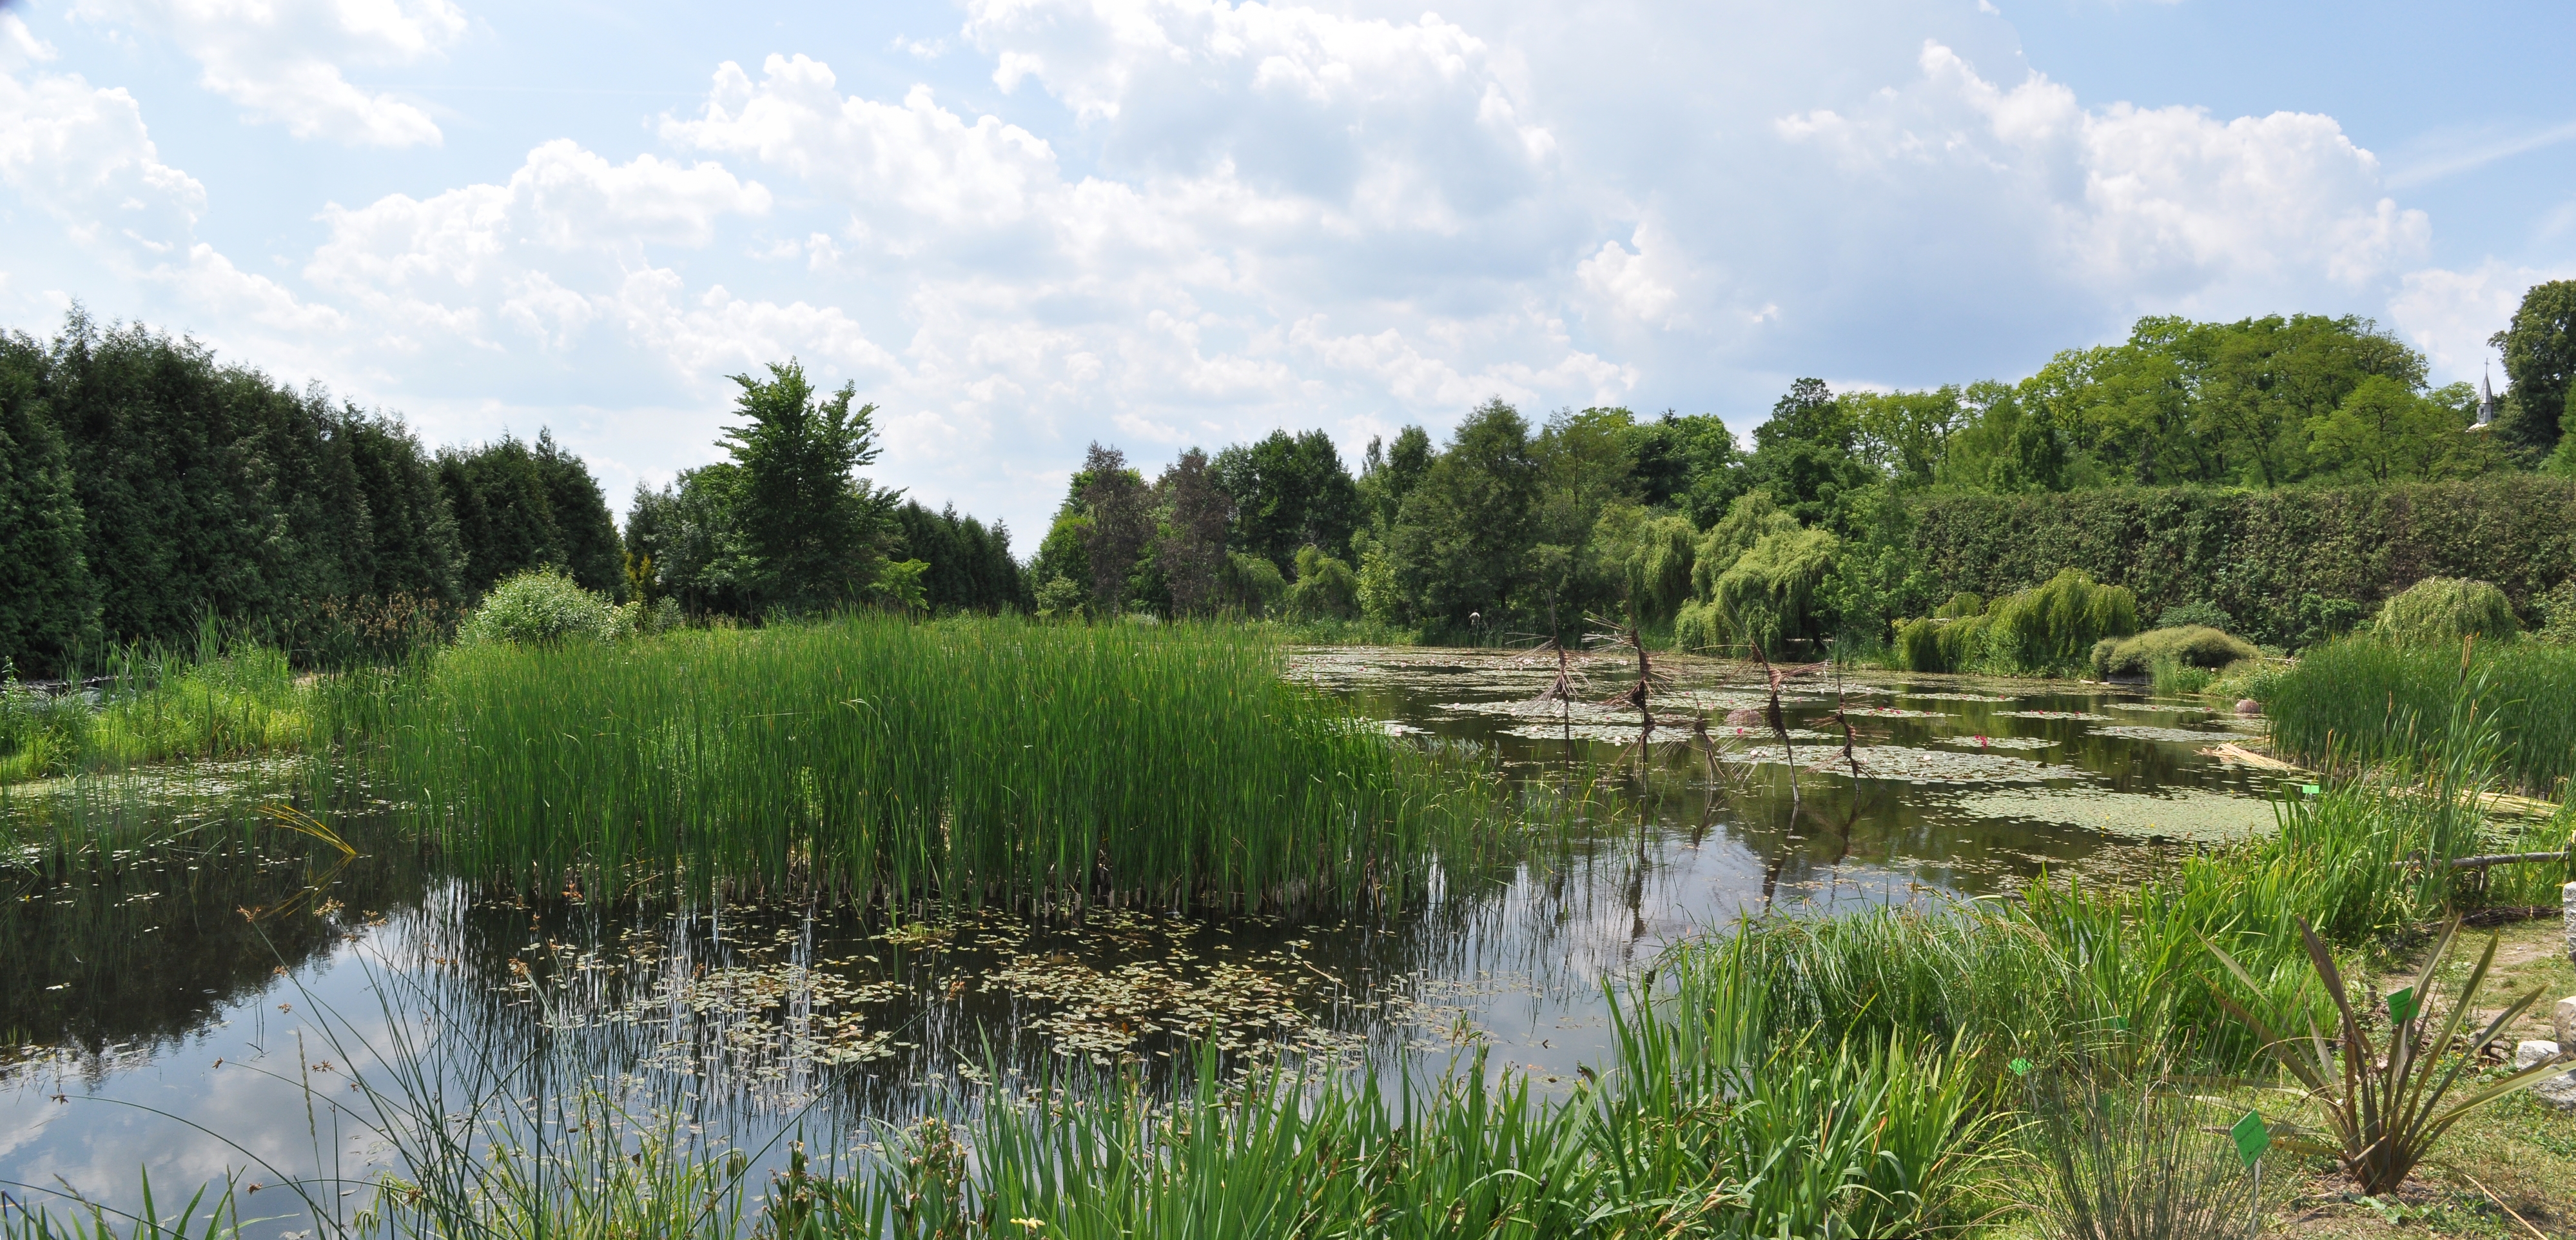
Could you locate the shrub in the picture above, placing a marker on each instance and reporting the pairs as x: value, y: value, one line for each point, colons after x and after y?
x: 1961, y: 606
x: 2557, y: 614
x: 2199, y: 612
x: 2444, y: 610
x: 2193, y: 646
x: 543, y: 607
x: 2053, y: 629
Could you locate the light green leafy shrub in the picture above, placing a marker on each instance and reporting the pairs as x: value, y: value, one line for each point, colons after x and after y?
x: 543, y: 607
x: 2443, y: 610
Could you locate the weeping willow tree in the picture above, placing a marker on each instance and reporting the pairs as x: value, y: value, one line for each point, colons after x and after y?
x: 1757, y: 579
x: 2048, y: 631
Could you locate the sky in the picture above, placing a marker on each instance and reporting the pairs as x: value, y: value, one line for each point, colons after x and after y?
x: 1020, y: 226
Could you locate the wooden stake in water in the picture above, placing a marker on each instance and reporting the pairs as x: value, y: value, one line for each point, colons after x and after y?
x: 2253, y: 1137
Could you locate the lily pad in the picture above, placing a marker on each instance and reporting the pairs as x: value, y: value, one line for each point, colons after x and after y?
x: 2196, y: 815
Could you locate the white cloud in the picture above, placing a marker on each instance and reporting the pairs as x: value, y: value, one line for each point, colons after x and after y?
x: 2450, y: 314
x: 2166, y: 208
x: 283, y: 60
x: 554, y: 250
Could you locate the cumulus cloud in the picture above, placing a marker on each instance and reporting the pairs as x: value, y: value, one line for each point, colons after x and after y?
x: 2164, y: 207
x: 562, y: 245
x: 282, y: 60
x: 2450, y: 314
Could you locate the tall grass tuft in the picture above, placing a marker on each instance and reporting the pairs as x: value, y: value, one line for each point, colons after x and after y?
x: 968, y: 761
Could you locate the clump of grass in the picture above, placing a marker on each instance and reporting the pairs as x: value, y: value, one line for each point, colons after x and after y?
x: 2441, y: 611
x: 156, y: 706
x: 2193, y: 646
x: 970, y: 761
x: 2370, y: 697
x: 2131, y: 1158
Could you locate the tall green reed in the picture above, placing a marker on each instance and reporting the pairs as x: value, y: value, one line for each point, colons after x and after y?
x: 2363, y: 697
x: 970, y: 761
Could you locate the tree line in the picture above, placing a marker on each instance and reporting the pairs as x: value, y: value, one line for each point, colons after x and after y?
x: 148, y: 488
x: 1807, y: 531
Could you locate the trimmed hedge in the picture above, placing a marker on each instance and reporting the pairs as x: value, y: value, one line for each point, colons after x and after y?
x: 2293, y: 567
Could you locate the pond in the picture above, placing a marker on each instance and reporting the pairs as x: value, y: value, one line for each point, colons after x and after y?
x: 206, y: 998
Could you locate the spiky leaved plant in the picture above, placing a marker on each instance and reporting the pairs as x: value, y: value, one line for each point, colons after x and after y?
x: 2385, y: 1111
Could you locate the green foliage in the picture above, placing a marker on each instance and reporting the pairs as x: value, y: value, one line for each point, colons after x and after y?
x: 1061, y: 598
x: 2372, y: 695
x: 2386, y: 1112
x: 970, y: 564
x: 2539, y: 349
x: 811, y: 533
x: 1250, y: 585
x: 2052, y: 629
x: 1769, y: 597
x: 1288, y: 492
x: 1326, y: 588
x: 518, y: 508
x: 1805, y: 455
x: 1460, y: 544
x: 2197, y: 612
x: 48, y: 602
x: 2292, y: 567
x: 2189, y: 645
x: 969, y: 761
x: 144, y: 485
x: 539, y: 607
x: 2443, y: 610
x: 2385, y: 432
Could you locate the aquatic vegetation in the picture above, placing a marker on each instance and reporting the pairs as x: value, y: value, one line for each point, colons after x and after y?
x: 967, y: 762
x: 2145, y: 732
x: 2367, y: 698
x: 154, y: 706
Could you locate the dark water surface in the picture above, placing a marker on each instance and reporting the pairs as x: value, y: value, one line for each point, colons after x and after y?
x: 195, y: 995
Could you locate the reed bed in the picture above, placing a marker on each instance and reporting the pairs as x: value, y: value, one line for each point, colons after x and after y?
x: 971, y: 761
x: 2369, y: 697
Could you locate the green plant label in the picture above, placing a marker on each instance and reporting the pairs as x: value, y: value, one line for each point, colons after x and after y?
x: 2401, y: 1005
x: 2311, y: 789
x: 2252, y: 1137
x: 2020, y: 1067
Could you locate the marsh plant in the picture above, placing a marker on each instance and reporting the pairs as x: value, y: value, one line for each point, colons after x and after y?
x: 1047, y: 767
x: 2132, y: 1158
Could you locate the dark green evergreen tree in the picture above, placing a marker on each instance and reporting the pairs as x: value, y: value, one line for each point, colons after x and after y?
x: 591, y: 552
x: 48, y: 603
